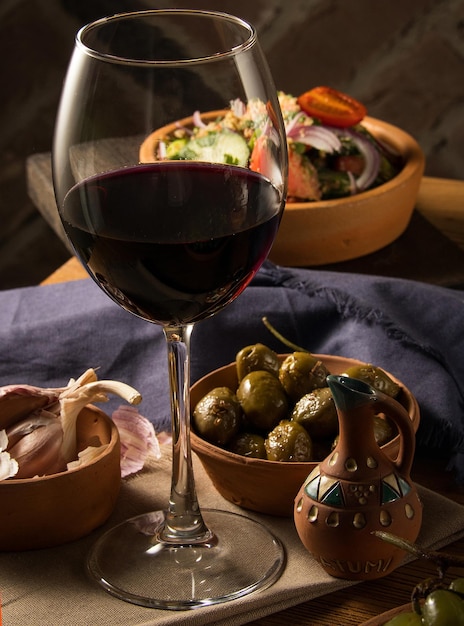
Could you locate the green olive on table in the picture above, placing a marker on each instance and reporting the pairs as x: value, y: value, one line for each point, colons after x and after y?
x: 263, y: 400
x: 376, y: 377
x: 316, y: 411
x: 256, y: 357
x: 217, y: 416
x: 300, y: 373
x: 250, y: 445
x: 442, y: 608
x: 289, y: 441
x: 457, y: 585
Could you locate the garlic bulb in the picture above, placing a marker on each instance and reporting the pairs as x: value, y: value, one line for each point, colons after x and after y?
x: 38, y: 435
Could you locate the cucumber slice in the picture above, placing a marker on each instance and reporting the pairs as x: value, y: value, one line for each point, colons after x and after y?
x: 175, y: 149
x: 226, y: 147
x: 231, y: 148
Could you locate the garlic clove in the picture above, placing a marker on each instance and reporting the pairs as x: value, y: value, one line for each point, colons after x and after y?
x: 17, y: 402
x: 38, y: 452
x: 27, y: 425
x: 138, y: 439
x: 87, y: 455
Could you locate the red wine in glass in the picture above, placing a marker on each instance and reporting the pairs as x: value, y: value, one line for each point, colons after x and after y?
x: 124, y: 226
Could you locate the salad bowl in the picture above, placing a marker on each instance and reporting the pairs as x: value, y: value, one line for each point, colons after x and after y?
x: 330, y: 231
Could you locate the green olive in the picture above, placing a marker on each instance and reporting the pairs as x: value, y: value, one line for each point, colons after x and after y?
x: 248, y: 444
x: 443, y: 608
x: 289, y: 441
x: 300, y: 373
x: 263, y: 400
x: 316, y: 411
x: 256, y: 357
x: 217, y: 416
x: 384, y: 431
x: 457, y: 585
x: 322, y: 448
x: 376, y: 377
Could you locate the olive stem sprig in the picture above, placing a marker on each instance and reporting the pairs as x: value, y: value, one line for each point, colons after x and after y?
x: 442, y: 561
x: 281, y: 338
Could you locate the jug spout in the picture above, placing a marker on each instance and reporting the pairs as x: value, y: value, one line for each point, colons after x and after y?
x: 350, y: 393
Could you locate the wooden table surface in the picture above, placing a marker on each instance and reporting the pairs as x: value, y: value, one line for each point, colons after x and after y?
x: 354, y: 605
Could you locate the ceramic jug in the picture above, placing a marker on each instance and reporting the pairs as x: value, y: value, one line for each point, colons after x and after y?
x: 357, y: 489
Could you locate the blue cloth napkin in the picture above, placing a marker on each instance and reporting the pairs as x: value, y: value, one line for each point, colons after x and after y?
x: 416, y: 331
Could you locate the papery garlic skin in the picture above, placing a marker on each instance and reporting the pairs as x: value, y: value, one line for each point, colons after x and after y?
x: 87, y: 455
x: 8, y: 466
x: 138, y: 439
x: 82, y: 392
x: 19, y: 401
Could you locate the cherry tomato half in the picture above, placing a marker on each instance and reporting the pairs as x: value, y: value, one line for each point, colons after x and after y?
x: 332, y: 107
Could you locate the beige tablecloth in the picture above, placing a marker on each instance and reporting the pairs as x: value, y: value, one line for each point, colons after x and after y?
x: 50, y: 587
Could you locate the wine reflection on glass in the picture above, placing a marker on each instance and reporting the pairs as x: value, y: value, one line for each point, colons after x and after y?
x: 173, y: 242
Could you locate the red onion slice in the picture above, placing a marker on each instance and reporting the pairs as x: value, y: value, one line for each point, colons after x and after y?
x: 161, y: 150
x: 238, y: 107
x: 197, y: 121
x: 315, y: 136
x: 370, y: 154
x: 372, y: 162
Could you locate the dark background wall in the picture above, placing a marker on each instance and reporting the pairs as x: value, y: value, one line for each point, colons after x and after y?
x: 404, y: 60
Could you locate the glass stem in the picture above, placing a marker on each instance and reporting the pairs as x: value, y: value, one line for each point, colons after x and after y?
x: 184, y: 523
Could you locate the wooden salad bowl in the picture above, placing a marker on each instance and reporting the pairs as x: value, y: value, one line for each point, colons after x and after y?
x: 330, y: 231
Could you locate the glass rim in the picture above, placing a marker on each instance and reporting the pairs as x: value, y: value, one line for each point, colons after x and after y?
x: 247, y: 43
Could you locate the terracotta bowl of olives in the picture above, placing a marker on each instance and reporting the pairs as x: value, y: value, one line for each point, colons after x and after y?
x: 259, y: 439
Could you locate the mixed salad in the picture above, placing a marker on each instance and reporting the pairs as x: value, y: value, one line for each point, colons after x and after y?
x: 331, y: 154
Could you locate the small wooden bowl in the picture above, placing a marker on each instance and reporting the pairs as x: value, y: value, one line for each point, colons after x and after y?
x: 52, y: 510
x: 318, y: 233
x: 269, y: 486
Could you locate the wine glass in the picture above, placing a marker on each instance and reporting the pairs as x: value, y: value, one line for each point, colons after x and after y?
x: 173, y: 242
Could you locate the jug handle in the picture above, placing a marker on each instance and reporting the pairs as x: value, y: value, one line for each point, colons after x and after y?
x: 398, y: 414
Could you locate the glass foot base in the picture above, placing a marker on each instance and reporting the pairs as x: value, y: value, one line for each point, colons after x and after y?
x: 130, y: 562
